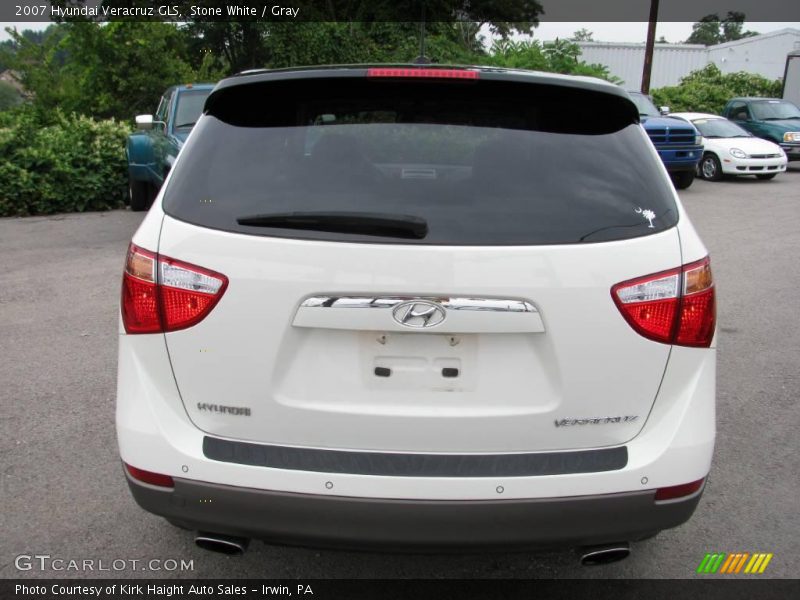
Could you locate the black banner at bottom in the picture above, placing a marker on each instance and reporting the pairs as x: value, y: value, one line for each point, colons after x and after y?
x: 416, y: 589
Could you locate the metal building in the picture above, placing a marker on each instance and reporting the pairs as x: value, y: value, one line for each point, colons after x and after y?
x: 791, y: 78
x: 763, y: 54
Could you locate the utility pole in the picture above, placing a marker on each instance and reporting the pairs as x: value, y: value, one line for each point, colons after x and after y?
x: 648, y: 49
x: 422, y: 59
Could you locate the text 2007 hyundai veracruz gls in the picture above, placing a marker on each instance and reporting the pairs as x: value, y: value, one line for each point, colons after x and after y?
x: 417, y: 306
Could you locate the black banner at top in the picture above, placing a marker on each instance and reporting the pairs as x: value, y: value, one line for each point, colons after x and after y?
x: 513, y: 11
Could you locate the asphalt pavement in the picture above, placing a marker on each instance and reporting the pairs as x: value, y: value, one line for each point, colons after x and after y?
x: 64, y: 496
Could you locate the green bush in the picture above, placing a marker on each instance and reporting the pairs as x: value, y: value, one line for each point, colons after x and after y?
x: 560, y: 56
x: 68, y: 163
x: 708, y: 90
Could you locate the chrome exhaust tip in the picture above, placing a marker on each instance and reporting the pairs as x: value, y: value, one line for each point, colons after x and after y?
x: 224, y: 544
x: 605, y: 554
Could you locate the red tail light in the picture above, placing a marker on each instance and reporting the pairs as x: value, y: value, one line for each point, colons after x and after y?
x: 678, y: 491
x: 422, y: 72
x: 163, y: 294
x: 672, y: 307
x: 150, y: 477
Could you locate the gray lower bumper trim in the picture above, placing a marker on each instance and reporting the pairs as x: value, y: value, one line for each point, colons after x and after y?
x: 415, y: 465
x: 319, y: 520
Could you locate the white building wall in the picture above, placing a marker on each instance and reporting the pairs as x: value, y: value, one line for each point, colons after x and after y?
x: 763, y: 54
x: 626, y: 61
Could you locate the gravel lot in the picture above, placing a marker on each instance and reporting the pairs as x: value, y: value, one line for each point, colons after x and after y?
x: 64, y: 495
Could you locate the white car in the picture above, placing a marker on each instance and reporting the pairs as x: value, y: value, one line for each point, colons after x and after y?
x: 731, y: 150
x: 417, y: 306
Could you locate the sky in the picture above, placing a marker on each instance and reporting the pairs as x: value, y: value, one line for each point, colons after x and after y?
x: 603, y: 32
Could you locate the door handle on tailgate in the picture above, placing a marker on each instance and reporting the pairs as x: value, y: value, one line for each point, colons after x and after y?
x: 419, y: 313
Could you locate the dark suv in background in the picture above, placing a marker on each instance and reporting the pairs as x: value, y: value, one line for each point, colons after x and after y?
x: 152, y: 149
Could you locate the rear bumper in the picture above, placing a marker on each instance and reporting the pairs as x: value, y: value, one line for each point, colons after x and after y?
x: 362, y: 501
x: 350, y: 522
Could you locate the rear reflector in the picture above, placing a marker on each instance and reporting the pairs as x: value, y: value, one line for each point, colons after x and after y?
x: 150, y: 477
x: 673, y: 307
x: 422, y: 72
x: 678, y: 491
x: 163, y: 294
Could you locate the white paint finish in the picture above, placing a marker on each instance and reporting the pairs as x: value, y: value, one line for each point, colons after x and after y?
x: 579, y: 362
x: 306, y: 386
x: 675, y: 445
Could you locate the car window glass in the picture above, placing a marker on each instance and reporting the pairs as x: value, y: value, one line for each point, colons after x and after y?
x: 719, y: 128
x: 161, y: 111
x: 645, y: 105
x: 482, y: 165
x: 775, y: 109
x: 190, y: 105
x: 739, y: 111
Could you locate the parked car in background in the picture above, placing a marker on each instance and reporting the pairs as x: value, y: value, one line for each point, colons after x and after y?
x: 418, y: 306
x: 730, y: 150
x: 772, y: 119
x: 678, y: 143
x: 152, y: 149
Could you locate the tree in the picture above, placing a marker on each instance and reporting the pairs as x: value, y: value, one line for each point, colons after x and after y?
x: 112, y: 70
x: 582, y: 35
x: 560, y: 56
x: 503, y: 17
x: 710, y: 30
x: 708, y: 90
x: 337, y: 31
x: 239, y: 46
x: 732, y: 27
x: 9, y: 48
x: 236, y: 46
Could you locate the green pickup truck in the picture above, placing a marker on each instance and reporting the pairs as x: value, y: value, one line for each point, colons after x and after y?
x: 773, y: 119
x: 152, y: 149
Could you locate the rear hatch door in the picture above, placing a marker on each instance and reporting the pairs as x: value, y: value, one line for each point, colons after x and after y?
x: 416, y: 275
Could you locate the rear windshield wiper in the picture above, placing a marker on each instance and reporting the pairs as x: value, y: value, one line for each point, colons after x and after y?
x: 378, y: 224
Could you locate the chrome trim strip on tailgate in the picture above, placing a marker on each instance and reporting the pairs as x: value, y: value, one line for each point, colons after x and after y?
x: 415, y: 465
x: 462, y: 315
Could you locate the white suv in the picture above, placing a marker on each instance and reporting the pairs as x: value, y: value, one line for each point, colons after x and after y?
x: 417, y: 306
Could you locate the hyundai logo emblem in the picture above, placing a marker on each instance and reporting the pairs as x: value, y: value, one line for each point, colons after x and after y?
x: 418, y: 314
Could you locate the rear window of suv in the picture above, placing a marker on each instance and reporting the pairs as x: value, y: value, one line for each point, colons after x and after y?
x: 465, y: 163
